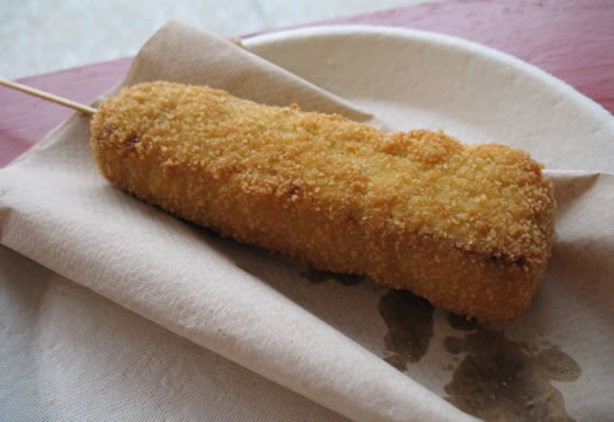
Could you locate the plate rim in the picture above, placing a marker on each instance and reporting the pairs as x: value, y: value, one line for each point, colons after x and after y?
x: 268, y: 39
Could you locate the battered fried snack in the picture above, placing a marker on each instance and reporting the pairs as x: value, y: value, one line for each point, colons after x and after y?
x: 469, y: 228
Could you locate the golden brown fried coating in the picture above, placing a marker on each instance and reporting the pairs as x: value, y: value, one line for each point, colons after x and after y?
x: 469, y: 228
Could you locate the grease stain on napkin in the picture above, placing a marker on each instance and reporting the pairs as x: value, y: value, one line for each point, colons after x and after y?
x: 499, y: 376
x: 410, y: 327
x: 493, y: 376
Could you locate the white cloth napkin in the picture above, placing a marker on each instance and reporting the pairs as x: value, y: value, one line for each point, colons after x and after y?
x: 323, y: 340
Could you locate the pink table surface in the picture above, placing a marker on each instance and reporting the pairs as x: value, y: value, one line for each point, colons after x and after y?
x: 571, y: 39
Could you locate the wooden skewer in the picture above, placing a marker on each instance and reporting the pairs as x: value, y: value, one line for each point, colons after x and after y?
x: 47, y: 96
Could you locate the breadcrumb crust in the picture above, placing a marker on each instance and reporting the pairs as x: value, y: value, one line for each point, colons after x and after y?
x: 468, y: 227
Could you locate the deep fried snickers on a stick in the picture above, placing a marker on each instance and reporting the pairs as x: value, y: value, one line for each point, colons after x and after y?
x: 469, y: 228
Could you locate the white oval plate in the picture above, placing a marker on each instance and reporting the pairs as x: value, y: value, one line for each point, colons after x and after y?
x: 413, y: 79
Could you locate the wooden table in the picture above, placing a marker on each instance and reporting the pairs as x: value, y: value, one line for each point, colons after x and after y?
x: 570, y: 39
